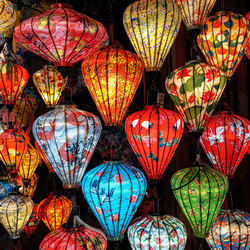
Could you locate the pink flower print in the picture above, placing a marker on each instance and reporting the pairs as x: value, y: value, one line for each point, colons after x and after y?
x: 157, y: 224
x: 158, y: 240
x: 141, y: 233
x: 191, y: 99
x: 208, y: 96
x: 99, y: 173
x: 182, y: 73
x: 133, y: 198
x: 114, y: 217
x: 118, y: 178
x: 174, y: 233
x: 98, y: 210
x: 212, y: 74
x: 173, y: 89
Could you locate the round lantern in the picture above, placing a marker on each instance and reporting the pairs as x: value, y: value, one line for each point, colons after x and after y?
x: 61, y: 35
x: 8, y: 16
x: 154, y: 134
x: 29, y: 163
x: 152, y: 27
x: 112, y: 76
x: 68, y: 137
x: 247, y: 49
x: 223, y: 40
x: 50, y: 83
x: 195, y: 90
x: 33, y: 222
x: 114, y: 191
x: 14, y: 213
x: 200, y: 192
x: 13, y: 145
x: 6, y: 188
x: 13, y: 79
x: 230, y: 230
x: 55, y: 211
x: 157, y: 232
x: 225, y: 140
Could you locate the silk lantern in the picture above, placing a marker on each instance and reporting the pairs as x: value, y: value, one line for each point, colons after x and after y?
x: 14, y: 213
x: 13, y: 145
x: 55, y: 211
x: 13, y: 79
x: 247, y: 49
x: 68, y: 137
x: 223, y: 40
x: 49, y: 83
x: 112, y: 77
x: 6, y: 188
x: 61, y: 35
x: 152, y: 27
x: 230, y: 230
x: 114, y: 191
x: 200, y: 192
x: 225, y: 141
x: 157, y: 232
x: 195, y: 90
x: 154, y: 134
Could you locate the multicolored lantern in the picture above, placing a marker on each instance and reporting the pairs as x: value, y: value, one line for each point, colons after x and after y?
x: 225, y: 140
x: 195, y: 90
x: 152, y: 26
x: 6, y: 188
x: 14, y: 213
x: 154, y: 134
x: 13, y: 79
x: 13, y: 145
x: 200, y: 192
x: 230, y: 230
x: 223, y: 40
x: 247, y: 49
x: 61, y: 35
x: 50, y: 83
x: 112, y: 76
x: 68, y: 137
x: 157, y: 232
x: 114, y: 191
x: 55, y: 211
x: 8, y: 16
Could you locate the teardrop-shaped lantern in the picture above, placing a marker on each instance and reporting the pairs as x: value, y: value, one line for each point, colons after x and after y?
x: 112, y: 76
x: 68, y: 137
x: 55, y: 211
x: 225, y: 140
x: 247, y: 49
x: 114, y: 191
x: 223, y: 40
x: 14, y: 213
x: 195, y: 90
x: 50, y: 83
x: 152, y: 26
x: 13, y: 79
x: 154, y: 134
x: 230, y: 230
x: 8, y: 15
x: 61, y: 35
x: 157, y: 232
x: 200, y: 192
x: 6, y: 188
x: 13, y: 145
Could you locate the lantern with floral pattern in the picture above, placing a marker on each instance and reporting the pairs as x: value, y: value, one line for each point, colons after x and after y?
x: 247, y: 50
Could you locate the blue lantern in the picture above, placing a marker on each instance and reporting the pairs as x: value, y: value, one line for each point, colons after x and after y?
x: 114, y: 191
x: 6, y: 188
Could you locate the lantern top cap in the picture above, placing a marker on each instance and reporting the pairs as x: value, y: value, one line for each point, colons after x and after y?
x: 61, y: 5
x: 151, y: 106
x: 65, y: 106
x: 113, y: 162
x: 223, y: 13
x: 192, y: 61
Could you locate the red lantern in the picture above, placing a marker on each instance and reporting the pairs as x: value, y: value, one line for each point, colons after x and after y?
x: 225, y: 140
x: 61, y: 35
x: 154, y: 134
x: 247, y: 49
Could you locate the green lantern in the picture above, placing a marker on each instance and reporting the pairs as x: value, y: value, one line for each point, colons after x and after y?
x: 200, y: 192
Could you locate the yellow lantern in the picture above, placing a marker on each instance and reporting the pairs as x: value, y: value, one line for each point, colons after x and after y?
x: 152, y: 26
x: 14, y: 214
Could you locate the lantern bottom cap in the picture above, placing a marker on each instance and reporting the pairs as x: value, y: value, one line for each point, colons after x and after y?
x: 153, y: 177
x: 116, y: 238
x: 71, y: 186
x: 201, y: 235
x: 147, y: 69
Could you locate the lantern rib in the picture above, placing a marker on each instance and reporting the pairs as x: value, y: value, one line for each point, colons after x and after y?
x: 215, y: 60
x: 116, y: 87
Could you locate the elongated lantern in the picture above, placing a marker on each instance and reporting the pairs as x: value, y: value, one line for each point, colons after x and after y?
x: 157, y: 232
x: 55, y: 211
x: 13, y: 79
x: 247, y: 50
x: 61, y: 35
x: 114, y: 191
x: 152, y: 27
x: 68, y: 137
x: 14, y: 213
x: 230, y: 230
x: 50, y: 83
x: 13, y: 145
x: 6, y: 188
x: 154, y: 134
x: 225, y: 141
x: 200, y: 192
x: 223, y: 40
x: 195, y: 90
x: 112, y: 77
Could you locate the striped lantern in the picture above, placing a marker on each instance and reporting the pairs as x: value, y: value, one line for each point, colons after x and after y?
x: 247, y: 50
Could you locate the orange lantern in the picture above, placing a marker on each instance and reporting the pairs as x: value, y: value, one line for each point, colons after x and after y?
x: 112, y: 76
x: 247, y: 50
x: 55, y: 211
x: 13, y: 145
